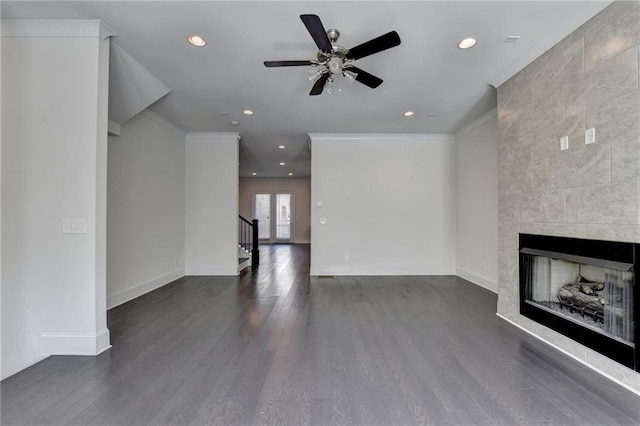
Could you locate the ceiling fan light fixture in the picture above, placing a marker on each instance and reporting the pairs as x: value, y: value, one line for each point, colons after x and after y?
x: 350, y: 76
x: 197, y: 40
x: 314, y: 74
x: 467, y: 43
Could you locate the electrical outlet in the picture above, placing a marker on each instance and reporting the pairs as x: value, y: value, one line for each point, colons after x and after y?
x: 74, y: 227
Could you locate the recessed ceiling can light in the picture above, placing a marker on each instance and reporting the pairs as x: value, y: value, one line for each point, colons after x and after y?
x: 196, y: 40
x: 281, y: 146
x: 254, y: 174
x: 409, y: 114
x: 290, y: 174
x: 467, y: 43
x: 282, y: 163
x: 234, y: 123
x: 247, y: 112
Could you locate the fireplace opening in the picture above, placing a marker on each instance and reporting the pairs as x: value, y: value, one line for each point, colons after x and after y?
x: 583, y: 289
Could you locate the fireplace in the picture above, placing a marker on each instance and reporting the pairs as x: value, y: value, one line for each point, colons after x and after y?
x: 584, y: 289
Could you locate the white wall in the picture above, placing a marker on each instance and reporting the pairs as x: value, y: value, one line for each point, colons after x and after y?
x: 477, y: 202
x: 211, y: 243
x: 301, y: 188
x: 389, y: 204
x: 146, y: 207
x: 54, y: 114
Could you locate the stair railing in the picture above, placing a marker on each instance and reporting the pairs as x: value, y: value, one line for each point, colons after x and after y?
x: 248, y: 238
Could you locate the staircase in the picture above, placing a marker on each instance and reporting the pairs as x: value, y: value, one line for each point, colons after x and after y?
x: 248, y: 251
x: 244, y: 259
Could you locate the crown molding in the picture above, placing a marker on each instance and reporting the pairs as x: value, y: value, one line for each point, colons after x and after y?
x: 56, y: 28
x: 221, y: 136
x: 424, y: 137
x: 492, y: 113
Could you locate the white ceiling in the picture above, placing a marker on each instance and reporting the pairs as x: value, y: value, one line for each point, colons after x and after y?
x: 427, y: 73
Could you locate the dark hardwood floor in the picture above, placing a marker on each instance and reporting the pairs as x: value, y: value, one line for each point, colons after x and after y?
x: 277, y: 347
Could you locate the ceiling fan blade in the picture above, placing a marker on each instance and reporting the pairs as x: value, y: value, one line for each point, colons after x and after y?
x: 378, y: 44
x: 366, y: 78
x: 318, y: 86
x: 317, y: 31
x: 271, y: 64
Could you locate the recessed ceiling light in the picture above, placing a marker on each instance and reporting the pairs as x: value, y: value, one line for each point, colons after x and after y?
x: 281, y: 146
x: 409, y: 114
x: 282, y: 163
x: 431, y: 114
x: 196, y: 40
x: 512, y: 39
x: 467, y: 43
x: 247, y: 112
x: 234, y: 123
x: 254, y: 174
x: 290, y: 174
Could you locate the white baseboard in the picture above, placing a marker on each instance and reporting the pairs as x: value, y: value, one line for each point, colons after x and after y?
x: 74, y: 343
x: 478, y: 279
x: 211, y: 270
x: 570, y: 355
x: 382, y: 271
x: 131, y: 293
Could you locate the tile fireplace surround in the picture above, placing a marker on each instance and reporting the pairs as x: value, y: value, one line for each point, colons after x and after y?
x: 588, y: 80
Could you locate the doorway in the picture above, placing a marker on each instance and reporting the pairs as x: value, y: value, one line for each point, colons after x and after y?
x: 274, y: 211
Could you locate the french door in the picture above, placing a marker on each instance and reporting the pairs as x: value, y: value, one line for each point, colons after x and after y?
x: 274, y: 211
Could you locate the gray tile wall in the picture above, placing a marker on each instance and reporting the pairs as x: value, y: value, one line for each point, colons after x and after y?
x: 590, y: 79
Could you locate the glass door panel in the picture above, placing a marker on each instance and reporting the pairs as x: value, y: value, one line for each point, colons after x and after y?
x: 283, y: 217
x: 274, y: 211
x: 262, y: 206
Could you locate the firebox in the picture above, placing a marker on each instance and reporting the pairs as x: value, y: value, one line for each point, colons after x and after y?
x: 584, y: 289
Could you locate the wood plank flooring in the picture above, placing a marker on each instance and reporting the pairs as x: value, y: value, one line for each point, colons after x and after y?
x: 276, y: 347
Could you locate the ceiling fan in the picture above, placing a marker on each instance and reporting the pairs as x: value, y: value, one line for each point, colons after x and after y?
x: 333, y: 59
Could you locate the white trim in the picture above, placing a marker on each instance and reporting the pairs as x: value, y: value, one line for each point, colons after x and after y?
x: 570, y: 355
x: 158, y: 119
x: 478, y: 280
x: 139, y: 289
x: 54, y: 28
x: 114, y: 128
x: 382, y: 271
x: 212, y: 270
x: 222, y: 136
x: 74, y: 343
x: 493, y: 113
x: 425, y: 137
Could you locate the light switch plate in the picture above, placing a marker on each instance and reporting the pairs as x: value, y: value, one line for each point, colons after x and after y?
x: 590, y: 136
x: 564, y: 143
x: 74, y: 227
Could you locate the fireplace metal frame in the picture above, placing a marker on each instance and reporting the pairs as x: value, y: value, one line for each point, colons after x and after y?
x: 611, y: 251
